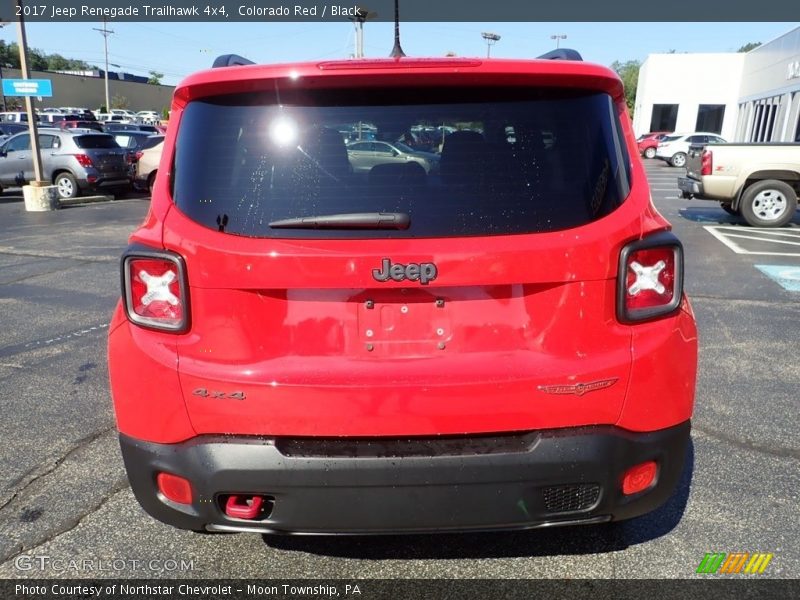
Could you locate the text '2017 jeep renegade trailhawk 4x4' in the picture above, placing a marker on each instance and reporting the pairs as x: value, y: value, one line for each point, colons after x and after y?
x: 499, y: 341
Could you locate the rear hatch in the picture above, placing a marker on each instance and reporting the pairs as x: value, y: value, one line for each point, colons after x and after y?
x: 694, y: 161
x: 477, y: 297
x: 106, y: 155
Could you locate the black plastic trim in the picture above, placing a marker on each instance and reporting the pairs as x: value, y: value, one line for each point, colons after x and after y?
x: 561, y: 54
x: 407, y: 494
x: 231, y: 60
x: 658, y: 240
x: 135, y: 251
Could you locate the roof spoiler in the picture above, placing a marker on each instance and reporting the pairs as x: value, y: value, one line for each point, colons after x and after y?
x: 231, y: 60
x: 561, y: 54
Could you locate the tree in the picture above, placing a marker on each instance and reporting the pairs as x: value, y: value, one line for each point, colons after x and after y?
x: 56, y: 62
x: 119, y: 102
x: 629, y: 74
x: 749, y: 46
x: 155, y: 78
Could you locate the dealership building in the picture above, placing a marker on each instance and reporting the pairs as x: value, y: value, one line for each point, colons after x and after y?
x: 745, y: 96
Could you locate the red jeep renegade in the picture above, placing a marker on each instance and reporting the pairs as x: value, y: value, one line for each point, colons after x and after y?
x: 402, y: 295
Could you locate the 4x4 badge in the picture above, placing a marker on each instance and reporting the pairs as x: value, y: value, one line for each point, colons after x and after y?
x: 204, y: 393
x: 422, y: 272
x: 578, y: 389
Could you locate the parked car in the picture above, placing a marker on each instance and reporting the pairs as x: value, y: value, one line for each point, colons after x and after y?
x: 9, y: 129
x: 674, y: 147
x: 648, y: 142
x: 109, y: 118
x: 50, y: 118
x: 760, y: 181
x: 72, y: 124
x: 363, y: 156
x: 504, y: 344
x: 152, y: 129
x: 74, y: 161
x: 129, y: 115
x: 14, y: 116
x: 114, y: 127
x: 146, y: 164
x: 149, y: 117
x: 132, y: 142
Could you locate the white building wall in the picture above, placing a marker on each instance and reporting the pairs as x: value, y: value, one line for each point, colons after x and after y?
x: 770, y: 91
x: 689, y: 80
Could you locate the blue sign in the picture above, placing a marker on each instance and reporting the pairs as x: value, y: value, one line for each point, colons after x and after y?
x: 786, y: 275
x: 28, y: 87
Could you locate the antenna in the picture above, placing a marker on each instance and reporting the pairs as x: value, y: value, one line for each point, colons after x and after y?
x: 397, y: 51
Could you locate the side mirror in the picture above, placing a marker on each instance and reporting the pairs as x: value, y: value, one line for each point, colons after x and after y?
x: 395, y: 152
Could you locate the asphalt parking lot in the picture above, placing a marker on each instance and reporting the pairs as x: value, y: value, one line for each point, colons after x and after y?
x: 63, y: 492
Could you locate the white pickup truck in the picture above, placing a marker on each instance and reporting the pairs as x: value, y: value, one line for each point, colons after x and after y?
x: 759, y: 181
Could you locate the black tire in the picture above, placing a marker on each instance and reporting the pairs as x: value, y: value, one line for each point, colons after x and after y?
x: 66, y: 185
x: 650, y: 152
x: 151, y: 181
x: 678, y: 159
x: 728, y: 208
x: 768, y: 203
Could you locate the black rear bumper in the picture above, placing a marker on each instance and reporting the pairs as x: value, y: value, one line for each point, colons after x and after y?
x: 515, y: 481
x: 690, y: 188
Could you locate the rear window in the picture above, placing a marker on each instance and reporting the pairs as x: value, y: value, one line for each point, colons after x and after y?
x: 457, y: 162
x: 88, y: 142
x: 152, y: 141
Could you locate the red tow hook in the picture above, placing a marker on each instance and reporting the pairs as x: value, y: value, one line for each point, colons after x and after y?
x: 244, y: 507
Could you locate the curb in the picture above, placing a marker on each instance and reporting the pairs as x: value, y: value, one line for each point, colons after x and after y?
x: 84, y: 200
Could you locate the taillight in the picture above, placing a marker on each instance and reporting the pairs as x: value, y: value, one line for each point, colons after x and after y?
x: 84, y: 160
x: 650, y: 278
x: 154, y: 289
x: 706, y: 162
x: 139, y: 154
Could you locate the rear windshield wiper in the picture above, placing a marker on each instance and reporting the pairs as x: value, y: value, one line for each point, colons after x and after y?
x: 360, y: 220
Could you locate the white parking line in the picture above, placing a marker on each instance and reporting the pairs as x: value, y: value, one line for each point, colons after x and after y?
x: 724, y: 233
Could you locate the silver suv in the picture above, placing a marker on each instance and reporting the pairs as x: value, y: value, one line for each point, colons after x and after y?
x: 75, y: 161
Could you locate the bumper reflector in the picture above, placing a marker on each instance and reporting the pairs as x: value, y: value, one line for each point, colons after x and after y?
x: 175, y: 488
x: 639, y: 477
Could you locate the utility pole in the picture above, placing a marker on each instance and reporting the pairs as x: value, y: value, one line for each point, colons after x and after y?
x: 33, y: 130
x: 397, y: 51
x: 105, y: 33
x: 1, y: 74
x: 491, y: 40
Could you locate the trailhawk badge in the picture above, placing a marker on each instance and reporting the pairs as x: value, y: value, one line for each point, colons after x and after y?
x: 422, y: 272
x: 578, y: 389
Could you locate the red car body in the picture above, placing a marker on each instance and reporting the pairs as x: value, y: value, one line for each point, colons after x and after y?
x: 364, y: 384
x: 648, y: 142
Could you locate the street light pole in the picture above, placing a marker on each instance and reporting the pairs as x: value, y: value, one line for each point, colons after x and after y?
x: 105, y: 33
x: 1, y: 74
x: 23, y: 63
x: 558, y: 37
x: 491, y: 40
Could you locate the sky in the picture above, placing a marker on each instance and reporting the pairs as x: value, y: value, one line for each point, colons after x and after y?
x: 178, y: 49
